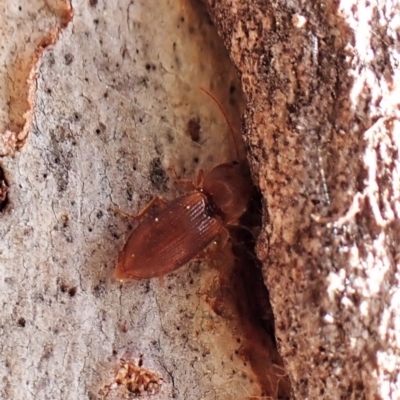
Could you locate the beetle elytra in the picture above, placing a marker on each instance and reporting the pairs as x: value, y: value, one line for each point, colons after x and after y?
x: 179, y: 230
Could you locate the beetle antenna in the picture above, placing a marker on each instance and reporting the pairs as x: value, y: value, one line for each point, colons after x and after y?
x: 226, y: 119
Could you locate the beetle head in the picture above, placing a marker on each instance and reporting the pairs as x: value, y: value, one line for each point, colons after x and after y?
x: 229, y: 190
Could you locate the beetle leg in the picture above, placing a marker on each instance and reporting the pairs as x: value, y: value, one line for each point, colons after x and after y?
x: 235, y: 223
x: 224, y: 235
x: 201, y: 256
x: 186, y: 183
x: 220, y: 243
x: 200, y: 179
x: 160, y: 202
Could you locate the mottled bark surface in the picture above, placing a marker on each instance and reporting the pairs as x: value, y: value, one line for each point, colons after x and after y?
x: 322, y: 128
x: 110, y: 105
x: 100, y: 100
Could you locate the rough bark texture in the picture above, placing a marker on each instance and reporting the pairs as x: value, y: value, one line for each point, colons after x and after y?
x: 110, y: 105
x: 322, y: 127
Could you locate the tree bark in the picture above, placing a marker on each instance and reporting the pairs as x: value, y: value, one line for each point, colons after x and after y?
x: 322, y: 129
x: 100, y: 103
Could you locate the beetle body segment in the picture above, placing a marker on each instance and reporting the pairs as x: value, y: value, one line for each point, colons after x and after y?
x: 169, y: 238
x: 228, y: 188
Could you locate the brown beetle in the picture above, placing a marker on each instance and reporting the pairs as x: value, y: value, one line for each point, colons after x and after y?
x: 179, y: 230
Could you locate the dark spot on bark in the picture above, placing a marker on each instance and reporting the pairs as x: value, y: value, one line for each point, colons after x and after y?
x: 193, y: 129
x: 129, y: 194
x: 63, y: 288
x: 92, y: 396
x: 100, y: 129
x: 99, y: 214
x: 99, y: 289
x: 292, y: 108
x: 77, y: 116
x: 21, y: 322
x: 51, y: 59
x: 72, y: 292
x: 3, y: 191
x: 96, y: 21
x: 157, y: 174
x: 92, y: 3
x: 147, y: 287
x: 68, y: 58
x: 144, y: 81
x: 8, y: 280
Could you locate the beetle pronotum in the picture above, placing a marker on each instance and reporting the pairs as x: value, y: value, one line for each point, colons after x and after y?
x: 179, y: 230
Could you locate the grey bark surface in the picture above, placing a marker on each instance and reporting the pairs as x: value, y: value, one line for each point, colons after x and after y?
x: 322, y: 127
x: 104, y: 117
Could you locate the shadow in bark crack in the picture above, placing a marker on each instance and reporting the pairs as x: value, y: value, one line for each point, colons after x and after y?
x: 242, y: 298
x: 3, y: 191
